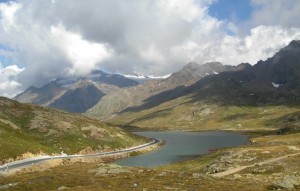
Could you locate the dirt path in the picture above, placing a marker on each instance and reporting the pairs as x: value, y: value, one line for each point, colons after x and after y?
x: 234, y: 170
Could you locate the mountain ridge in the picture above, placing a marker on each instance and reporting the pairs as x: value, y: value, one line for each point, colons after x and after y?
x: 70, y: 95
x: 110, y: 105
x: 270, y: 83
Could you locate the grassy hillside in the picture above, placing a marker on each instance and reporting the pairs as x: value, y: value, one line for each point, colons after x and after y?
x: 27, y: 128
x: 187, y: 114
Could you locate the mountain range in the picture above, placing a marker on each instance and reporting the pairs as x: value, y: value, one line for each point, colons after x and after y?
x: 110, y: 105
x: 242, y: 92
x: 107, y: 96
x: 75, y: 94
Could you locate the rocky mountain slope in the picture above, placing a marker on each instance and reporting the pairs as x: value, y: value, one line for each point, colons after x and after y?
x: 79, y: 97
x: 26, y: 128
x: 111, y: 104
x: 75, y: 94
x: 251, y: 97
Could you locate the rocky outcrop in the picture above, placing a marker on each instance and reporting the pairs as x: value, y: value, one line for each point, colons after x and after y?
x: 108, y: 169
x: 227, y: 161
x: 287, y: 183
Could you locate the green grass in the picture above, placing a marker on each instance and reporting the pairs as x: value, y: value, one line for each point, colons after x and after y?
x: 52, y: 131
x: 13, y: 143
x: 185, y: 114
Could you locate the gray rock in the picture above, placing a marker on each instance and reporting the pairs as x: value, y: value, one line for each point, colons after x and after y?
x: 102, y: 171
x: 289, y: 182
x: 237, y: 176
x: 105, y: 169
x: 2, y: 187
x: 6, y: 186
x: 118, y: 170
x: 63, y: 188
x: 162, y: 174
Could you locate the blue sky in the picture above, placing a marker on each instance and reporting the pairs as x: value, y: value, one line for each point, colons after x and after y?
x: 231, y: 10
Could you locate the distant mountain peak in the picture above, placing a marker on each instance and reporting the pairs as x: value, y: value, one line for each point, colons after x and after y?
x: 191, y: 65
x: 196, y: 66
x: 294, y: 44
x: 243, y: 66
x: 31, y: 88
x: 75, y: 94
x: 214, y: 64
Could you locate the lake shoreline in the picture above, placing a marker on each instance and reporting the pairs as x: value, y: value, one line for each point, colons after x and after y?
x: 181, y: 145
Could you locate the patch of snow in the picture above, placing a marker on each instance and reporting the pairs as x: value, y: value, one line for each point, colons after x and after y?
x: 159, y: 77
x: 136, y: 75
x: 216, y: 72
x: 275, y: 85
x: 92, y: 82
x: 207, y: 73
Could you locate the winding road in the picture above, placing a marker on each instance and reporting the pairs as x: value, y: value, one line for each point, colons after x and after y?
x: 30, y: 161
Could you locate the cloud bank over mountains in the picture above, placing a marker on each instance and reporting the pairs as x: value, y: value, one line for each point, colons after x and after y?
x: 48, y: 39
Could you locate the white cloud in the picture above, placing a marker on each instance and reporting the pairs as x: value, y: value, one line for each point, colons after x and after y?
x: 8, y: 84
x: 185, y: 10
x: 276, y: 12
x: 8, y: 14
x: 82, y: 54
x: 52, y: 38
x: 260, y: 44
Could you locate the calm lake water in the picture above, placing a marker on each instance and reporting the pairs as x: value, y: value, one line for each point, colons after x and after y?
x: 182, y: 146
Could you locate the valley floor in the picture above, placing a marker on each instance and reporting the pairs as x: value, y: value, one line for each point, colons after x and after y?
x: 270, y: 162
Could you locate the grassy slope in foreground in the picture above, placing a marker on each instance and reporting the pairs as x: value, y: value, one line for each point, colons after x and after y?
x: 185, y: 114
x: 189, y: 175
x: 32, y: 129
